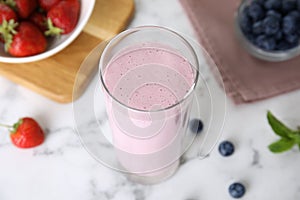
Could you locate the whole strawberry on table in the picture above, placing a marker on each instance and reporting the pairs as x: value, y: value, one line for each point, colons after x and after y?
x: 26, y: 133
x: 25, y: 25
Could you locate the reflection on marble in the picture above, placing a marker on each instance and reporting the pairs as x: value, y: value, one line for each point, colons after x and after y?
x: 62, y: 169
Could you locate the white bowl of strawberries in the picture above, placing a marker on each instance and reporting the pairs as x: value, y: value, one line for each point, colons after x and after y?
x: 32, y: 30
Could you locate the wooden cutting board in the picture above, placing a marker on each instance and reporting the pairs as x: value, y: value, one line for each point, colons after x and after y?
x: 54, y: 77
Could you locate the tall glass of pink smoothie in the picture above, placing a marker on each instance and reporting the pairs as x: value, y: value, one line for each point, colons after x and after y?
x: 148, y: 75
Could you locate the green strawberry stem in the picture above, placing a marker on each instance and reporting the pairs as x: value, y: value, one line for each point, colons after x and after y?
x: 52, y: 30
x: 11, y: 3
x: 14, y: 127
x: 6, y: 126
x: 7, y: 29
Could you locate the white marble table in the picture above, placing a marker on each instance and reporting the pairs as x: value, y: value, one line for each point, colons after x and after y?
x: 62, y: 169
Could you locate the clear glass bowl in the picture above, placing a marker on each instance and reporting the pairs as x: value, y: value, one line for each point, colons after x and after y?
x: 273, y: 56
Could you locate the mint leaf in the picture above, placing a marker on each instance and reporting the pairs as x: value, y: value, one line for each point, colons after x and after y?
x: 288, y: 136
x: 281, y: 145
x: 278, y: 127
x: 296, y: 137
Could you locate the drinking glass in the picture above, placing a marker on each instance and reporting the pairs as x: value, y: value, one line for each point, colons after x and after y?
x: 148, y: 76
x: 150, y: 83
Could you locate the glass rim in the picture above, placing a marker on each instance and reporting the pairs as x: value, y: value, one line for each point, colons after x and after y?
x: 127, y: 32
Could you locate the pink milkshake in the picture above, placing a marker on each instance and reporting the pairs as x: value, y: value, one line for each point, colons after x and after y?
x: 148, y: 101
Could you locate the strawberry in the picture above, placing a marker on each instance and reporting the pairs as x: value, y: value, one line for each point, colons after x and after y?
x: 48, y: 4
x: 39, y: 19
x: 26, y: 40
x: 7, y: 13
x: 63, y: 17
x: 26, y: 133
x: 23, y: 7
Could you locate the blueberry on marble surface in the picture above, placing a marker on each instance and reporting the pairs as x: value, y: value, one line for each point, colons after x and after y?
x: 196, y: 125
x: 237, y: 190
x: 226, y: 148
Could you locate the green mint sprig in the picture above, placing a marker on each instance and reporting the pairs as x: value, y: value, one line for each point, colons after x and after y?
x: 289, y: 137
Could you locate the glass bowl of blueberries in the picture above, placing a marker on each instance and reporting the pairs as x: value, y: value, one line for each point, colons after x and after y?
x: 269, y: 29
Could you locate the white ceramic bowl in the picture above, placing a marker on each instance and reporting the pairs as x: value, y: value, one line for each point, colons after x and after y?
x: 58, y: 43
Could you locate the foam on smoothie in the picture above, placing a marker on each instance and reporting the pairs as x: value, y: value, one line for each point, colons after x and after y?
x: 142, y: 78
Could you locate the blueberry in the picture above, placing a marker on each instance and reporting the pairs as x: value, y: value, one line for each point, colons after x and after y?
x: 297, y: 22
x: 279, y: 35
x: 291, y: 38
x: 273, y: 4
x: 251, y: 37
x: 237, y: 190
x: 295, y: 14
x: 260, y: 2
x: 196, y: 125
x: 257, y: 28
x: 256, y: 12
x: 289, y: 24
x: 245, y: 22
x: 294, y: 44
x: 265, y: 42
x: 298, y: 4
x: 271, y: 25
x: 283, y: 45
x: 226, y: 148
x: 288, y: 5
x: 274, y: 14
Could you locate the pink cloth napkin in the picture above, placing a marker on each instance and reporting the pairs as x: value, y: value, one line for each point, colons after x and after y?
x: 246, y: 78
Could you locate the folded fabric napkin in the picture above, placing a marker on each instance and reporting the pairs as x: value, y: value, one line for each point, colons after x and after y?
x: 246, y: 78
